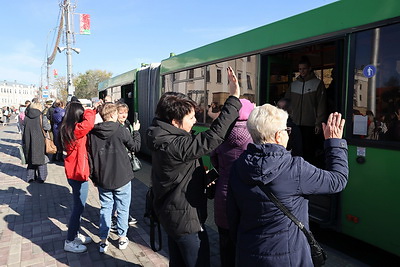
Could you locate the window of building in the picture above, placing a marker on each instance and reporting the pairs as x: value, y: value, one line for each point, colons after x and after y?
x: 219, y: 76
x: 248, y: 78
x: 191, y: 74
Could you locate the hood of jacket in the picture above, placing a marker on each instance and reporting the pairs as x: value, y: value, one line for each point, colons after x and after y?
x: 105, y: 129
x: 32, y: 113
x: 239, y: 134
x: 263, y: 163
x: 58, y: 110
x: 159, y: 134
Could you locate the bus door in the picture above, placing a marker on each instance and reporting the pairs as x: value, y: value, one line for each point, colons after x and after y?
x: 280, y: 70
x: 127, y: 94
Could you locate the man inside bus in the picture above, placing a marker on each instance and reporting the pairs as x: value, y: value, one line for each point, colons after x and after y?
x: 309, y: 109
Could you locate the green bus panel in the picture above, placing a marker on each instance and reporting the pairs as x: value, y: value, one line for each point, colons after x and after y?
x: 344, y: 15
x: 372, y: 196
x: 206, y: 159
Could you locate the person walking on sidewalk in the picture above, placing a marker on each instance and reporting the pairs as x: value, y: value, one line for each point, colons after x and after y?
x: 33, y: 143
x: 112, y: 172
x: 76, y: 124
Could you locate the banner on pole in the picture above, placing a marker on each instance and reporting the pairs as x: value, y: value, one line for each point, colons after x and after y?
x: 84, y: 23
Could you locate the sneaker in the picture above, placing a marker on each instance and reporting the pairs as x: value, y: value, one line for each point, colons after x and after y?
x: 83, y: 239
x: 74, y: 247
x: 114, y: 227
x: 123, y: 243
x: 103, y: 247
x: 132, y: 221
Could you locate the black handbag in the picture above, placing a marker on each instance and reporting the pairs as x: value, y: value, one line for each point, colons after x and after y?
x: 135, y: 163
x: 318, y: 255
x: 211, y: 177
x: 154, y: 222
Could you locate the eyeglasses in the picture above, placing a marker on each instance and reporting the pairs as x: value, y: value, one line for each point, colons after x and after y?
x: 288, y: 130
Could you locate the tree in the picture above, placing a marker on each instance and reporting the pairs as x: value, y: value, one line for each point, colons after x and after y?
x: 60, y: 84
x: 86, y: 84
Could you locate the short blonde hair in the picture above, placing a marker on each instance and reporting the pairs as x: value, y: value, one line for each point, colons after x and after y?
x: 264, y: 121
x: 107, y: 110
x: 122, y: 106
x: 36, y: 105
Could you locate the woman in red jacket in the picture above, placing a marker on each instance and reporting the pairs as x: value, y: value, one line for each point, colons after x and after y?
x: 76, y: 124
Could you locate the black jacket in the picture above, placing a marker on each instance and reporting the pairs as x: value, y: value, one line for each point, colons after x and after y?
x: 33, y: 138
x: 178, y: 176
x: 109, y: 161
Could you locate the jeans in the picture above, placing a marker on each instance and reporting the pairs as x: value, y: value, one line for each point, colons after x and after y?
x: 122, y: 199
x: 190, y: 250
x: 79, y: 193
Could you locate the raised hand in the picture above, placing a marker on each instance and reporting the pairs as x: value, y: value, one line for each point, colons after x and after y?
x: 334, y: 126
x: 233, y: 83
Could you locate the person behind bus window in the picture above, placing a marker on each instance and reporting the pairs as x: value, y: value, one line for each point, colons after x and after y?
x: 307, y: 95
x: 295, y: 143
x: 178, y: 175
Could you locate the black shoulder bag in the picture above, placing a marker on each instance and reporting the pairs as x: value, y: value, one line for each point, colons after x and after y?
x: 318, y: 255
x: 151, y: 214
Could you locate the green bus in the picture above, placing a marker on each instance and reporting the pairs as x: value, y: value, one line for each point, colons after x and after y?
x: 354, y: 48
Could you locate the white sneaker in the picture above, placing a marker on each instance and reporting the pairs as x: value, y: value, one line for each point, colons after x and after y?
x: 123, y: 243
x: 132, y: 221
x: 74, y: 247
x: 83, y: 239
x: 103, y: 247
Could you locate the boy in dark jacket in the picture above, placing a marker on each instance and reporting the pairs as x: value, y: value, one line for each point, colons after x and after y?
x: 111, y: 172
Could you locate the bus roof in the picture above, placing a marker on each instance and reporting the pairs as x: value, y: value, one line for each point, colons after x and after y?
x: 332, y: 18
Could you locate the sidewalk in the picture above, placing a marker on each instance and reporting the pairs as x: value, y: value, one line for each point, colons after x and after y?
x: 33, y: 218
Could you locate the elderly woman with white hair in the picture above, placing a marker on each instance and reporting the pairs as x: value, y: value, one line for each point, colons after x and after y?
x: 264, y: 235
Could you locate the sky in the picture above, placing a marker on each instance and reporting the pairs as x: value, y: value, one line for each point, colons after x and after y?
x: 125, y: 33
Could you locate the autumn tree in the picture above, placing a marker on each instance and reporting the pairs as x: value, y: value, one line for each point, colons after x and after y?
x: 60, y: 84
x: 86, y: 83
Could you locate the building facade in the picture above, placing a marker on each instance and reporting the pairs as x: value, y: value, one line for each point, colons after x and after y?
x: 13, y: 94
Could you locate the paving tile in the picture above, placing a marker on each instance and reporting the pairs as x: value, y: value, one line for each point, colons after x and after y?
x: 34, y: 217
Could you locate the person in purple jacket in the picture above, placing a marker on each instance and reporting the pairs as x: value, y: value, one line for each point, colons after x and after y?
x: 58, y: 116
x: 222, y: 159
x: 264, y: 235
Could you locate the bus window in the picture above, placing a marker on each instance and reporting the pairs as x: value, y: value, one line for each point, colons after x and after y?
x: 376, y: 97
x: 209, y: 87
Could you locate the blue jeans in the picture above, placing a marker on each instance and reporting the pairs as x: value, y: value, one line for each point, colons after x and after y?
x: 190, y: 250
x: 79, y: 193
x: 122, y: 199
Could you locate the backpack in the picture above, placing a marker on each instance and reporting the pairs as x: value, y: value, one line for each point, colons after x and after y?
x: 21, y: 116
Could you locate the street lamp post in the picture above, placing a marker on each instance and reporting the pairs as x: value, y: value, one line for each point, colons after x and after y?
x: 68, y: 31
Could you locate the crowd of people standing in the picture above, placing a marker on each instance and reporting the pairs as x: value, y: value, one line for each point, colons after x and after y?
x: 248, y: 147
